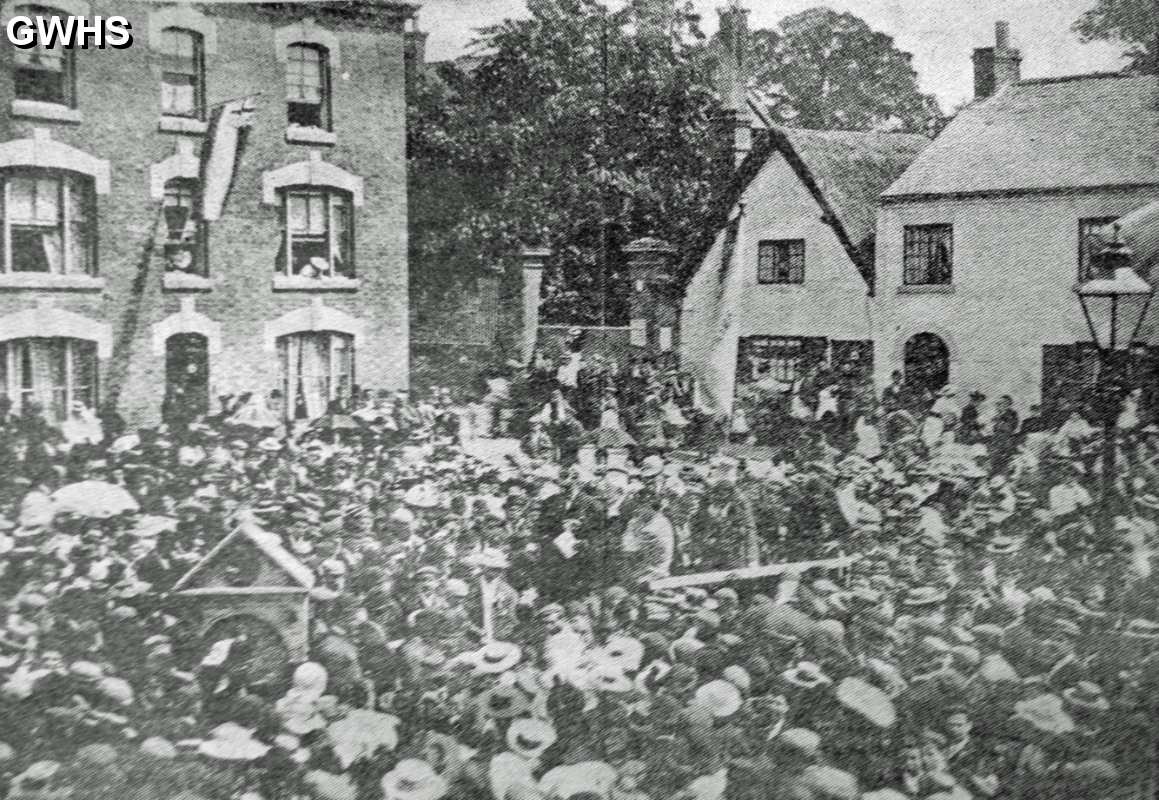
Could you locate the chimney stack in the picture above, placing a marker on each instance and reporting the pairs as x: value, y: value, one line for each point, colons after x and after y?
x: 997, y: 66
x: 414, y: 51
x: 732, y: 83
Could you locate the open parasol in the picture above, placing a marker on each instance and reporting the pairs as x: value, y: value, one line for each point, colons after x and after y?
x: 151, y: 526
x: 335, y: 422
x: 98, y: 499
x: 360, y: 733
x: 1046, y: 713
x: 868, y: 701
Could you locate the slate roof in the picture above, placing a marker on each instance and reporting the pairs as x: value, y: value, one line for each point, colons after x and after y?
x: 1086, y: 131
x: 845, y: 171
x: 851, y: 169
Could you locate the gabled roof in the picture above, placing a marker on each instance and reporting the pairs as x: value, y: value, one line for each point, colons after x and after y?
x: 268, y: 544
x: 845, y: 171
x: 1087, y: 131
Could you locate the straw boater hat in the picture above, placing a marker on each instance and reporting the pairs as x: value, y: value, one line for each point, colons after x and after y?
x: 529, y: 737
x: 496, y: 657
x: 1142, y: 629
x: 413, y: 779
x: 504, y: 702
x: 1086, y: 696
x: 1004, y: 545
x: 624, y: 651
x: 806, y: 675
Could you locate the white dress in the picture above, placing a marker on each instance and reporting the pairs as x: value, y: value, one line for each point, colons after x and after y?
x: 868, y: 440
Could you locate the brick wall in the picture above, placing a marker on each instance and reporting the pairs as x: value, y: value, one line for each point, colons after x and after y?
x: 119, y: 98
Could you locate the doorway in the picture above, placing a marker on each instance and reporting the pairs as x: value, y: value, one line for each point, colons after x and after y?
x: 927, y: 361
x: 186, y: 378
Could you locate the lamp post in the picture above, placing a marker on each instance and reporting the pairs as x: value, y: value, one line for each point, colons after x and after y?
x: 1114, y: 303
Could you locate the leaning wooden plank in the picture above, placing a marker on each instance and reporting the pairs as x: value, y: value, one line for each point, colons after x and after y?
x: 749, y: 573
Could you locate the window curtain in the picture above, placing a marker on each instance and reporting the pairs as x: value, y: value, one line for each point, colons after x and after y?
x: 42, y: 372
x: 306, y: 364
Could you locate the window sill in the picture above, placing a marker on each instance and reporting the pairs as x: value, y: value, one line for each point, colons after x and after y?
x: 296, y: 283
x: 40, y: 280
x: 56, y: 112
x: 298, y: 134
x: 184, y: 282
x: 168, y: 124
x: 782, y: 287
x: 926, y: 288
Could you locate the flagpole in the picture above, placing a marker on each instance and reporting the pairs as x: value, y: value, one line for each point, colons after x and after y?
x: 239, y: 97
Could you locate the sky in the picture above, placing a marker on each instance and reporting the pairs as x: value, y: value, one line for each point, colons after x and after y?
x: 940, y: 33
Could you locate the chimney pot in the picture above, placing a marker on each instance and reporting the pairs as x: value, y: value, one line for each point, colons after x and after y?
x: 997, y: 66
x: 1001, y: 36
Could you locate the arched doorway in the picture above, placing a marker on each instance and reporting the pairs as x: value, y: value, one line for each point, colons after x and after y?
x: 186, y: 377
x: 927, y: 361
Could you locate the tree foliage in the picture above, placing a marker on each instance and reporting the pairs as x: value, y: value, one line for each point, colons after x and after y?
x: 830, y: 70
x: 1132, y: 23
x: 580, y: 129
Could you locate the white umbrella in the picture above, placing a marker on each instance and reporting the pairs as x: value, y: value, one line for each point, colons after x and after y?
x: 360, y: 733
x: 98, y: 499
x: 151, y: 526
x: 868, y: 701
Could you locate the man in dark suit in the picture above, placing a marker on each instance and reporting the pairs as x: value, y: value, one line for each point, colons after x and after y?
x: 569, y: 505
x: 1004, y: 434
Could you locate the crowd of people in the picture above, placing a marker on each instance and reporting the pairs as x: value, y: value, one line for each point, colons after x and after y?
x: 596, y: 615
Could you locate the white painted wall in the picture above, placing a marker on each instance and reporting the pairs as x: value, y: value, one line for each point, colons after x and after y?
x: 719, y: 309
x: 1015, y: 265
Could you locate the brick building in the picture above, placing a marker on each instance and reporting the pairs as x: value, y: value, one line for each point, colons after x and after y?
x: 116, y: 291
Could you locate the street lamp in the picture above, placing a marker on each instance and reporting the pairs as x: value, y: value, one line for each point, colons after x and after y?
x: 1114, y: 304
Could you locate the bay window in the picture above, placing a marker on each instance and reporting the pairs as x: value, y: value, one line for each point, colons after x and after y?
x: 317, y: 369
x: 48, y: 222
x: 318, y: 237
x: 44, y: 73
x: 54, y: 374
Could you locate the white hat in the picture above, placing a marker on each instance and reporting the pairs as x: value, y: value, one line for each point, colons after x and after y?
x: 624, y: 651
x: 232, y: 742
x: 488, y: 558
x: 529, y: 737
x: 495, y: 657
x: 422, y: 495
x: 720, y: 698
x: 413, y: 779
x: 311, y: 678
x: 404, y: 515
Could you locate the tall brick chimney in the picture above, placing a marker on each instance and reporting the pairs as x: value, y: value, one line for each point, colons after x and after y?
x: 735, y: 126
x: 414, y: 51
x: 997, y: 66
